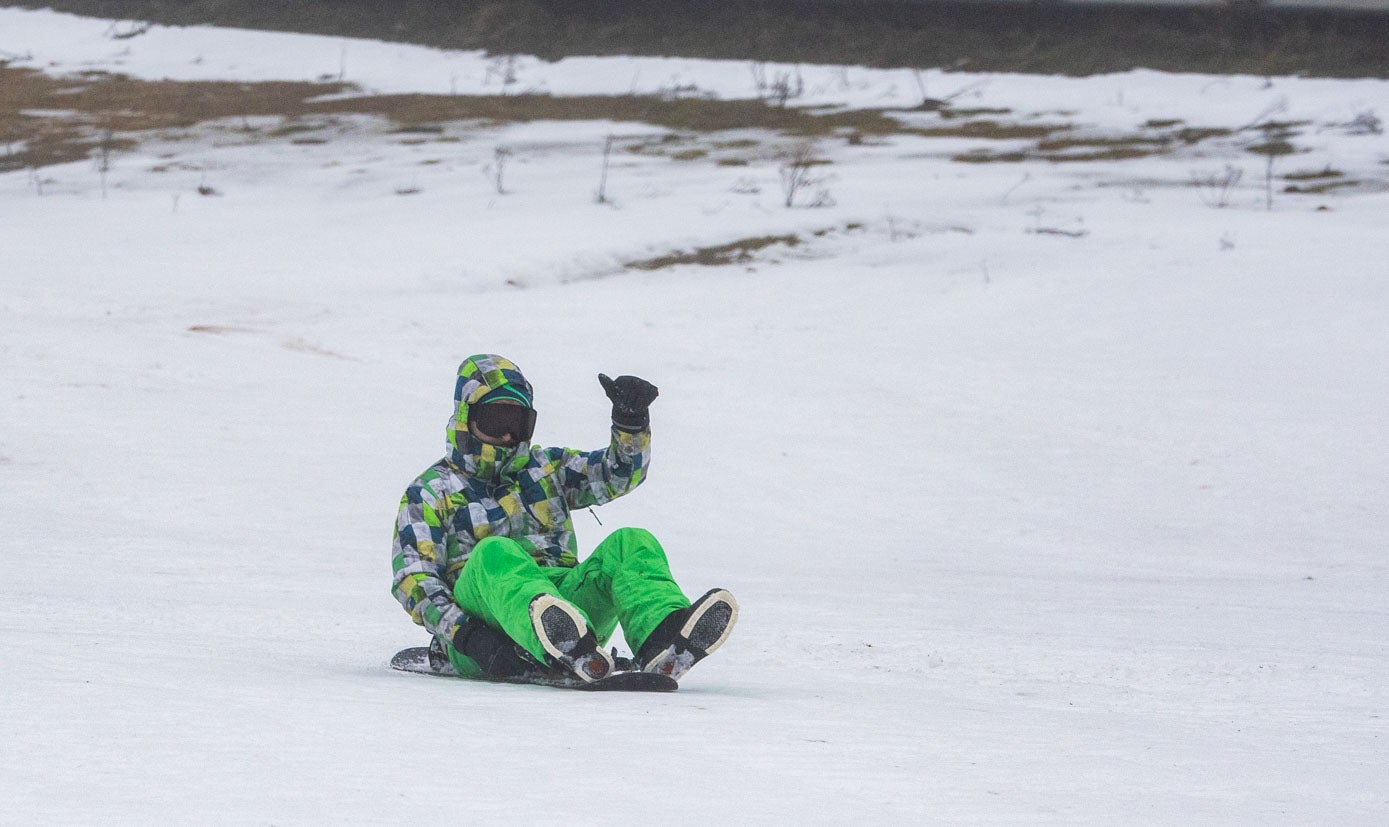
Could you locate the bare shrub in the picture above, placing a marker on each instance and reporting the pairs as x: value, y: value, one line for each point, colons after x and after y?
x: 503, y: 69
x: 778, y: 90
x: 104, y: 151
x: 497, y: 169
x: 602, y: 195
x: 1365, y: 123
x: 1215, y: 188
x: 1274, y: 148
x: 674, y: 90
x: 798, y: 175
x: 123, y: 30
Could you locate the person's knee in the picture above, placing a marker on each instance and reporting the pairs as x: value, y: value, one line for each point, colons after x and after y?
x: 497, y: 550
x: 627, y: 543
x: 635, y: 537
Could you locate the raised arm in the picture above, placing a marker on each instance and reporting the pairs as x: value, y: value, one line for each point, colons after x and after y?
x: 597, y: 477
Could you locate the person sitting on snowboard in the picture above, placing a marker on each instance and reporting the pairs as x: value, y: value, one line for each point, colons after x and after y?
x: 485, y: 557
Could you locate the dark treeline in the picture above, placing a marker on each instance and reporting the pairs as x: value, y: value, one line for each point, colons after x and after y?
x: 1035, y: 37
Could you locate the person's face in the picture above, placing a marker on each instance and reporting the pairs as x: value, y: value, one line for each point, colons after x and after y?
x: 504, y: 440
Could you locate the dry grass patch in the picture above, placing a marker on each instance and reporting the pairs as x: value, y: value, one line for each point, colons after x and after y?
x: 1116, y: 153
x: 1159, y: 138
x: 735, y: 252
x: 289, y: 129
x: 1318, y: 189
x: 1099, y: 149
x: 31, y: 137
x: 1090, y: 144
x: 130, y: 105
x: 1186, y: 134
x: 1197, y: 134
x: 83, y: 107
x: 687, y: 115
x: 1314, y: 174
x: 984, y: 156
x: 949, y: 113
x: 990, y: 130
x: 46, y: 120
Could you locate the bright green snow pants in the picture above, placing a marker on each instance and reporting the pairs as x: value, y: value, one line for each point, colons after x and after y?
x: 626, y: 580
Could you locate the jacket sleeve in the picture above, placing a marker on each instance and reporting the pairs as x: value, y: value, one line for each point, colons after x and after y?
x: 597, y: 477
x: 418, y: 554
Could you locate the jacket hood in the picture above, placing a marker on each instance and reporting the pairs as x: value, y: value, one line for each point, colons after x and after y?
x: 479, y: 376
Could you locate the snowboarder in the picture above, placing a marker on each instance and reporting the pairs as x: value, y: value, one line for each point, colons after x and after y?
x: 485, y: 557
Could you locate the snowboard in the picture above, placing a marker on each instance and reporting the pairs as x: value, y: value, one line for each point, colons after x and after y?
x: 416, y: 659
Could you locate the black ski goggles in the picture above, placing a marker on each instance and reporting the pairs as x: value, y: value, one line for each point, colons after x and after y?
x: 497, y: 420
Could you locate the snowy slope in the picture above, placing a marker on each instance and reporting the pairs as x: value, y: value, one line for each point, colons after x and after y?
x: 1025, y: 526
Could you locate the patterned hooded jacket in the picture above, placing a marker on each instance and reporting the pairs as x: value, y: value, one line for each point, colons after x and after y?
x: 480, y: 490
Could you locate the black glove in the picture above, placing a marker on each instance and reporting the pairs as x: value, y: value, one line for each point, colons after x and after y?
x: 631, y: 398
x: 496, y: 655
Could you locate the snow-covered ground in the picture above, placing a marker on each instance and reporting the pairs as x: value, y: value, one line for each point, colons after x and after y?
x: 1050, y: 492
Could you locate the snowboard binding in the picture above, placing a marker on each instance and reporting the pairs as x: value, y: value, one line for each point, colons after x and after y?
x: 689, y: 635
x: 567, y: 639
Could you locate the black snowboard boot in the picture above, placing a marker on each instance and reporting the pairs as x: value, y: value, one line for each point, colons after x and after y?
x: 689, y: 635
x: 439, y: 662
x: 567, y: 638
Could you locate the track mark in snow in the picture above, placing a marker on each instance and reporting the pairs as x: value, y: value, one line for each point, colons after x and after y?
x: 218, y: 329
x: 302, y: 346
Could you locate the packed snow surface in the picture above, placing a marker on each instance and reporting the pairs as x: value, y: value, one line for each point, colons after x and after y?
x: 1051, y: 492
